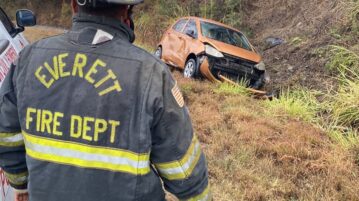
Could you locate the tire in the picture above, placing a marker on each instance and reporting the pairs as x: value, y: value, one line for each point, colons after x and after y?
x: 190, y: 69
x: 158, y: 52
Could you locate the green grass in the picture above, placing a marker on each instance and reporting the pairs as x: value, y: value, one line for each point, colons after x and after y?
x: 342, y: 59
x: 345, y: 137
x: 230, y: 89
x: 300, y: 104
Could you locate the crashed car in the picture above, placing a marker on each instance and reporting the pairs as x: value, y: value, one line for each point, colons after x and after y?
x: 11, y: 43
x: 203, y: 47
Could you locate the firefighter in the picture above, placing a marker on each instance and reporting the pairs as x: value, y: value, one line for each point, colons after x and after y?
x: 88, y: 116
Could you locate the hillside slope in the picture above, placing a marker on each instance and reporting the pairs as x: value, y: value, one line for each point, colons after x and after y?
x: 257, y: 154
x: 307, y: 27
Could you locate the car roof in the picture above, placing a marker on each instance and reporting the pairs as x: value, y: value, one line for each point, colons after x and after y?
x: 210, y: 21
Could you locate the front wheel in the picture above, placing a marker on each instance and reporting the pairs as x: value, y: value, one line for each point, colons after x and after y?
x: 190, y: 69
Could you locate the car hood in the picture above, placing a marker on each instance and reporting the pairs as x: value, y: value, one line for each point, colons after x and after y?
x: 233, y: 50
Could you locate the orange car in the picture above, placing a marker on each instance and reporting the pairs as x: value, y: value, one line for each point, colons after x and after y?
x: 207, y: 48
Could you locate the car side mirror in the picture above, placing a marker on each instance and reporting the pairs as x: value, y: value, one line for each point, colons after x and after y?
x: 25, y: 18
x: 3, y: 45
x: 190, y: 33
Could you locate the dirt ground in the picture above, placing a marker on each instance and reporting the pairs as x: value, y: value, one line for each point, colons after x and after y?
x: 306, y: 26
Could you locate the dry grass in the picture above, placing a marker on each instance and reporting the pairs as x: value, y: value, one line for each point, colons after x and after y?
x: 253, y: 156
x: 36, y: 33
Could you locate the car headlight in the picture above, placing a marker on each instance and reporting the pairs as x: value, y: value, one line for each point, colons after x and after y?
x: 261, y: 66
x: 213, y: 51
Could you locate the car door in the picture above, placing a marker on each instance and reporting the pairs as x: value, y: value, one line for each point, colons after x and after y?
x: 173, y: 42
x: 8, y: 51
x: 191, y: 44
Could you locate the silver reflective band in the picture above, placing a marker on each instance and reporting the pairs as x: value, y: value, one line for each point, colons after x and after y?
x: 91, y: 157
x: 186, y: 166
x: 22, y: 179
x: 12, y: 139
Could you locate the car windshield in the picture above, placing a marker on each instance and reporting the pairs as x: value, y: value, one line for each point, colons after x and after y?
x: 225, y: 35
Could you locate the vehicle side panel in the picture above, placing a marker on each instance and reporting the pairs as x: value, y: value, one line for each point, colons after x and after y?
x: 190, y: 46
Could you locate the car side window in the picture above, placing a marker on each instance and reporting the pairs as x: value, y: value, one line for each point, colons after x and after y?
x: 191, y: 27
x: 6, y: 22
x: 179, y: 25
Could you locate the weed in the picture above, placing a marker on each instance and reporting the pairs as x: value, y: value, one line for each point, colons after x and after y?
x: 230, y: 89
x: 345, y: 105
x: 186, y: 88
x: 296, y: 41
x: 299, y: 104
x: 335, y: 33
x: 342, y: 59
x: 345, y: 137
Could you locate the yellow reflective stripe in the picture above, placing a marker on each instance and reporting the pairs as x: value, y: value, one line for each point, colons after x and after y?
x: 85, y: 148
x: 6, y: 135
x: 86, y: 156
x: 183, y: 168
x: 86, y: 164
x: 174, y: 164
x: 11, y: 139
x: 17, y: 179
x: 204, y: 196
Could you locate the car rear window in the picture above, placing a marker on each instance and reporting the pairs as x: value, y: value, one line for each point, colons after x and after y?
x: 225, y: 35
x: 179, y: 25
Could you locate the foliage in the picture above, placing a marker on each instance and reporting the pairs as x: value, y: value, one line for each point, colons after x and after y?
x: 346, y: 137
x: 230, y: 89
x: 342, y: 59
x: 345, y: 106
x: 298, y: 103
x: 156, y: 16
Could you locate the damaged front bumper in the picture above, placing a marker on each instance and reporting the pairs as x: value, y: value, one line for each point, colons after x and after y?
x: 233, y: 68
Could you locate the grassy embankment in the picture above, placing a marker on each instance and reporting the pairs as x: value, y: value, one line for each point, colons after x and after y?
x: 302, y: 146
x: 271, y: 150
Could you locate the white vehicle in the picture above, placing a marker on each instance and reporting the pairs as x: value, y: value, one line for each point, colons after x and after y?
x: 11, y: 43
x: 11, y: 39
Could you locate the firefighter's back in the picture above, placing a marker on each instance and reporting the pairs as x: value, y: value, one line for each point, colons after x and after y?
x: 82, y: 99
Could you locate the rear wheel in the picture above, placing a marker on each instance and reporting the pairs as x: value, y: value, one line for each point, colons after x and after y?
x: 158, y: 53
x: 190, y: 69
